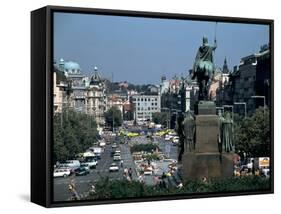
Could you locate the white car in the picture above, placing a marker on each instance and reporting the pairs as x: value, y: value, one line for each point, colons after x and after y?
x: 175, y: 140
x: 113, y: 167
x: 117, y: 157
x: 85, y: 165
x: 102, y: 144
x: 73, y: 164
x: 168, y: 137
x: 62, y: 172
x: 92, y: 163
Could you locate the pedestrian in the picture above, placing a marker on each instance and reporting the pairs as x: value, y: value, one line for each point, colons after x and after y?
x: 130, y: 173
x: 141, y: 178
x: 126, y: 171
x: 156, y: 180
x: 72, y: 189
x: 121, y: 163
x: 163, y: 176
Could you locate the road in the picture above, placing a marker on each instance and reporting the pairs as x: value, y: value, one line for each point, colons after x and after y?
x: 83, y: 183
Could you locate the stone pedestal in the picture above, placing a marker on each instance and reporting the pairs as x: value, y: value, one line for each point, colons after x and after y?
x: 209, y: 165
x: 206, y: 160
x: 207, y: 132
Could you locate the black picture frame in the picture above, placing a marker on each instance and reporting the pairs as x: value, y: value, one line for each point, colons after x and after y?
x: 42, y: 101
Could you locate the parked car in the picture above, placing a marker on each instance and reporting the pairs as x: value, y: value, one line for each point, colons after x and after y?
x: 73, y: 164
x: 175, y: 140
x: 91, y: 162
x: 117, y: 151
x: 85, y: 165
x: 81, y: 171
x: 62, y: 172
x: 113, y: 167
x: 168, y: 137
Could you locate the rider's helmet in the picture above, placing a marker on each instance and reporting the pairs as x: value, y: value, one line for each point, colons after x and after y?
x: 205, y: 40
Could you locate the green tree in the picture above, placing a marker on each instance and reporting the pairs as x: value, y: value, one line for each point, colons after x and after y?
x: 252, y: 134
x: 160, y: 118
x: 73, y: 133
x: 113, y: 117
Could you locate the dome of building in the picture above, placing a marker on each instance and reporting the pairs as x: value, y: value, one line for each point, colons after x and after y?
x: 95, y: 79
x: 72, y: 67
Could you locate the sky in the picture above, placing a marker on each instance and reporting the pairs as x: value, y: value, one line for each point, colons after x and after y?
x: 141, y: 50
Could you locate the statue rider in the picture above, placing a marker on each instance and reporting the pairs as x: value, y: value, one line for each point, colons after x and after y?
x: 203, y: 68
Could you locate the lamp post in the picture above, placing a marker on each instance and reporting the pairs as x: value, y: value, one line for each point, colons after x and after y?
x: 245, y: 107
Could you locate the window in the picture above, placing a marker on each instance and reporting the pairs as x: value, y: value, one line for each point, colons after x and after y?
x: 148, y: 108
x: 145, y: 99
x: 148, y: 99
x: 138, y: 109
x: 155, y: 104
x: 152, y: 104
x: 141, y: 99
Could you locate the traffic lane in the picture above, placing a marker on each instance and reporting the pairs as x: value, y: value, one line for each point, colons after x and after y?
x: 127, y: 158
x: 167, y: 147
x: 83, y: 183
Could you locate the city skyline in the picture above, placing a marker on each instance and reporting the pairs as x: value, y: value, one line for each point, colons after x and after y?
x: 131, y: 48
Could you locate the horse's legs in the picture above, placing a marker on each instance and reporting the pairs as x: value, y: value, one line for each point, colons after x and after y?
x: 204, y: 88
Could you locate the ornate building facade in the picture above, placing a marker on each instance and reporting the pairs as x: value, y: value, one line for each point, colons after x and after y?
x: 78, y: 92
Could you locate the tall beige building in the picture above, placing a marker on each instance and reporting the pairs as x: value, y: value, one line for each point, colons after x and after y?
x: 59, y: 93
x: 95, y: 98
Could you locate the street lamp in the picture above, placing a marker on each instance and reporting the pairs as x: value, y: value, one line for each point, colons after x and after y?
x: 245, y: 105
x: 260, y: 97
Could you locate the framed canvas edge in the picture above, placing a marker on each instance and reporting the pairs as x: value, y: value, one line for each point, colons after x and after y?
x: 49, y: 95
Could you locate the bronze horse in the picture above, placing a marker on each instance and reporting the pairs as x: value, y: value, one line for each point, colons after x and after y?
x: 203, y: 68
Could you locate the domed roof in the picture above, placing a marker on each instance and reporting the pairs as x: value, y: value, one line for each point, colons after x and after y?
x: 72, y: 67
x: 96, y: 78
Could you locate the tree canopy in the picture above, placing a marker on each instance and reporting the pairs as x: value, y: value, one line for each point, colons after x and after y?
x: 160, y: 118
x: 73, y: 133
x: 252, y: 134
x: 113, y: 117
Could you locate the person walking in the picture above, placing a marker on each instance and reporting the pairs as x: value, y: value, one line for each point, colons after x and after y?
x: 130, y: 173
x: 121, y: 163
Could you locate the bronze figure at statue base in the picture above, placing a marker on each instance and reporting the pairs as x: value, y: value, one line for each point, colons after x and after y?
x: 207, y: 160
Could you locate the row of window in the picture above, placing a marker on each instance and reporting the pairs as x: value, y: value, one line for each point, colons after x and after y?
x: 148, y: 108
x: 145, y: 99
x: 153, y: 104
